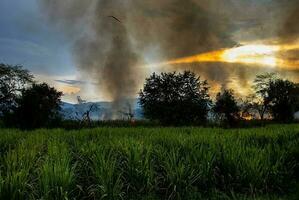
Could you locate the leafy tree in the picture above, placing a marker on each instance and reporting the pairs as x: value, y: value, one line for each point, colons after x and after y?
x: 38, y: 106
x: 277, y: 96
x: 260, y: 101
x: 175, y: 98
x: 282, y: 99
x: 295, y: 95
x: 256, y: 107
x: 13, y: 79
x: 226, y: 106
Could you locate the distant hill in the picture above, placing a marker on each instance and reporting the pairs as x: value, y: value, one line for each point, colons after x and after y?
x: 76, y: 111
x: 102, y: 112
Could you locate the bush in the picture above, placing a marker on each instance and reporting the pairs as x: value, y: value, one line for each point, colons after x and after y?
x: 37, y: 107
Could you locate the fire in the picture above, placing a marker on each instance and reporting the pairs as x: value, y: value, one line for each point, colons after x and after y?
x: 251, y: 54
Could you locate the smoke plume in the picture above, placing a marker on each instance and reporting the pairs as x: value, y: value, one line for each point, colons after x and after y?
x: 113, y: 39
x: 289, y: 31
x: 101, y: 45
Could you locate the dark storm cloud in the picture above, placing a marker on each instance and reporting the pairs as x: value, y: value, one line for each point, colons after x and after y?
x: 290, y: 30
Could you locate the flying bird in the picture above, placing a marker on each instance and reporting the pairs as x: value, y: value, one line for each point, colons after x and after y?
x: 111, y: 16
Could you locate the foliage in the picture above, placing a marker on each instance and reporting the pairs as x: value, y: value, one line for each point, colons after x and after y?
x: 150, y: 163
x: 245, y: 106
x: 13, y: 79
x: 38, y: 106
x: 277, y: 96
x: 260, y: 102
x: 282, y: 101
x: 74, y: 125
x: 226, y: 106
x: 255, y: 107
x: 175, y: 98
x: 262, y: 83
x: 56, y: 173
x: 295, y: 96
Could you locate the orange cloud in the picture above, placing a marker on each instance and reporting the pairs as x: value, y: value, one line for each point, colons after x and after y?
x: 68, y: 89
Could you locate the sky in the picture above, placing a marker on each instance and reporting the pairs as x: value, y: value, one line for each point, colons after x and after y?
x: 27, y: 39
x: 102, y: 50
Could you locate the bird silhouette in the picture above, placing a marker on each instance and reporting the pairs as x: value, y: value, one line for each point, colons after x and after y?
x: 111, y: 16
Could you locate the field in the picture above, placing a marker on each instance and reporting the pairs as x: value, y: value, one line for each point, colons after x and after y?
x: 151, y: 163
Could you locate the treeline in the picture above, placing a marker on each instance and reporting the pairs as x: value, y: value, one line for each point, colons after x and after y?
x: 177, y: 99
x: 183, y: 99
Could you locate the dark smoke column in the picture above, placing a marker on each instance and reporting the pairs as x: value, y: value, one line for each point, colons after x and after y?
x: 119, y: 73
x: 101, y: 44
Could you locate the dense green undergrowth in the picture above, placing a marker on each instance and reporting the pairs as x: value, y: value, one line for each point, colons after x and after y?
x: 150, y: 163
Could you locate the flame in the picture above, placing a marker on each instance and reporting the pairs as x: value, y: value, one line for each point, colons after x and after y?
x: 251, y: 54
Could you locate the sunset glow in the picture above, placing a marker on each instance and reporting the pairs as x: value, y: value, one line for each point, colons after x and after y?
x: 68, y: 89
x: 250, y: 54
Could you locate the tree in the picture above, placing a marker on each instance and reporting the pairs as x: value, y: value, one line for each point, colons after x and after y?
x: 282, y: 99
x: 246, y: 108
x: 38, y: 106
x: 261, y: 87
x: 277, y: 96
x: 13, y: 79
x: 175, y: 98
x: 295, y: 95
x: 128, y: 112
x: 257, y: 107
x: 226, y: 106
x: 86, y: 116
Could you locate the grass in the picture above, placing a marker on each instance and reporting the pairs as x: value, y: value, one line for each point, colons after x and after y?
x: 150, y: 163
x: 56, y: 176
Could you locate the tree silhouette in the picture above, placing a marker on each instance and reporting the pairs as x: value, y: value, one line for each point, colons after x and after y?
x: 86, y: 119
x: 13, y: 79
x: 282, y: 100
x: 295, y: 95
x: 37, y: 107
x: 128, y: 112
x: 260, y: 101
x: 256, y: 107
x: 226, y: 107
x: 278, y: 96
x: 246, y: 108
x: 175, y: 98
